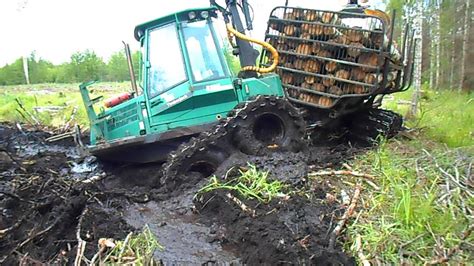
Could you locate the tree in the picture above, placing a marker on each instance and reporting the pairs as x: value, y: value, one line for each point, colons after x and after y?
x: 13, y: 74
x: 417, y: 13
x: 40, y: 69
x: 465, y: 44
x: 117, y: 68
x: 86, y: 66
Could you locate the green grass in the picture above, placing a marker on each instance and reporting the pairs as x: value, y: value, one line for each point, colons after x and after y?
x: 445, y: 116
x: 135, y: 249
x: 64, y: 96
x: 419, y: 213
x: 250, y: 183
x: 413, y: 216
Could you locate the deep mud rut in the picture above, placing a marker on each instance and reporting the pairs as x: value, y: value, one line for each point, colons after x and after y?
x: 45, y: 205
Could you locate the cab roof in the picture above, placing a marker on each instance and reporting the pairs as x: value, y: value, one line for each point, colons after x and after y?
x: 178, y: 16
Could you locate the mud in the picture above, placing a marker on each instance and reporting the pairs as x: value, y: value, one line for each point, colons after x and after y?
x: 43, y: 199
x: 186, y: 240
x: 293, y: 231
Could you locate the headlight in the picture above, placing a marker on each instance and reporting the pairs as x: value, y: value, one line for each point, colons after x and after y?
x: 204, y: 14
x: 192, y: 15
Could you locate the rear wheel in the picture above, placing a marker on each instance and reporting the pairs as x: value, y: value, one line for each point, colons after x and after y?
x: 366, y: 127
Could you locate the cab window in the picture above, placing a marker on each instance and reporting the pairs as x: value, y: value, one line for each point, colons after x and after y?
x: 202, y: 52
x: 166, y: 69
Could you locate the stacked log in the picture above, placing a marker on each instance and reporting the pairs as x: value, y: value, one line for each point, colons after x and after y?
x: 328, y: 59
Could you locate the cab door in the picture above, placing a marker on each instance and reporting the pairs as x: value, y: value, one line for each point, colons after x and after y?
x: 168, y: 87
x: 214, y: 93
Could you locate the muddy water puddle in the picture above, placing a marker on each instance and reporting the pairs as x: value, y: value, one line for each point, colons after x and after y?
x: 175, y: 226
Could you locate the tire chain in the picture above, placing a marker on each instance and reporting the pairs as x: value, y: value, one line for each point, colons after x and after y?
x: 220, y: 135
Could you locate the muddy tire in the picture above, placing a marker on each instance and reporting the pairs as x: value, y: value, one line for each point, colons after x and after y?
x: 204, y: 163
x: 269, y: 123
x: 190, y: 166
x: 366, y: 127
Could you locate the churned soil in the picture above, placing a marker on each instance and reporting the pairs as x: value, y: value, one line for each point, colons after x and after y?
x: 46, y: 207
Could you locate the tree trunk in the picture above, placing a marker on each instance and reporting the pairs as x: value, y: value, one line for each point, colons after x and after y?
x: 453, y: 58
x: 452, y: 49
x: 432, y: 48
x: 465, y: 44
x: 418, y: 28
x: 437, y: 39
x: 25, y: 69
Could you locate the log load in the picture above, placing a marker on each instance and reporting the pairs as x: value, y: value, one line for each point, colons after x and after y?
x: 335, y: 90
x: 312, y: 66
x: 304, y: 48
x: 325, y: 101
x: 290, y: 30
x: 311, y: 15
x: 343, y: 74
x: 372, y: 60
x: 330, y: 66
x: 329, y: 80
x: 355, y: 49
x: 337, y: 59
x: 318, y: 87
x: 357, y: 74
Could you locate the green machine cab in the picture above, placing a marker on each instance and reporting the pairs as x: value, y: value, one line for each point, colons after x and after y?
x: 186, y: 87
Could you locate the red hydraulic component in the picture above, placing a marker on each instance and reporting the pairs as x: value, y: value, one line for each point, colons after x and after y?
x: 111, y: 102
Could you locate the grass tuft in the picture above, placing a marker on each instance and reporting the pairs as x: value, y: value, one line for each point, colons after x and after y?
x: 136, y: 249
x: 249, y: 184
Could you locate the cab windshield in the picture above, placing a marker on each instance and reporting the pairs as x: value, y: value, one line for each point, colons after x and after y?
x: 202, y: 51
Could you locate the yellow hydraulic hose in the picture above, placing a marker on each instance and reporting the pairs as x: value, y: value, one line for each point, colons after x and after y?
x: 380, y: 14
x: 268, y: 46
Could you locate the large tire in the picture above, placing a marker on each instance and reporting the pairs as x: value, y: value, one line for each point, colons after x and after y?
x: 189, y: 166
x: 366, y: 127
x: 269, y: 123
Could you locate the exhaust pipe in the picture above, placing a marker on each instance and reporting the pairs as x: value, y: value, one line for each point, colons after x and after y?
x: 130, y: 67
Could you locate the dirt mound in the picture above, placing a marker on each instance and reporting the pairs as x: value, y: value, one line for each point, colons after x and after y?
x: 292, y: 231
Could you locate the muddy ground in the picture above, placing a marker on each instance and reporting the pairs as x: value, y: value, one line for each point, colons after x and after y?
x: 47, y: 201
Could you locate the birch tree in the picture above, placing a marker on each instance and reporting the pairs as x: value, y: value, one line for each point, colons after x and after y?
x: 452, y: 33
x: 417, y: 14
x: 465, y: 44
x: 432, y: 48
x: 25, y: 70
x: 437, y: 40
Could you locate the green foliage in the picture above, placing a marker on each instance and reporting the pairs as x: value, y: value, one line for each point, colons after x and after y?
x: 250, y: 184
x: 117, y: 68
x: 83, y: 66
x: 412, y: 215
x: 39, y: 70
x: 232, y: 61
x: 136, y: 249
x: 12, y: 74
x: 445, y: 116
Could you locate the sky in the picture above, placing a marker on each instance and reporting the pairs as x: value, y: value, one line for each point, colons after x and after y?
x: 55, y: 29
